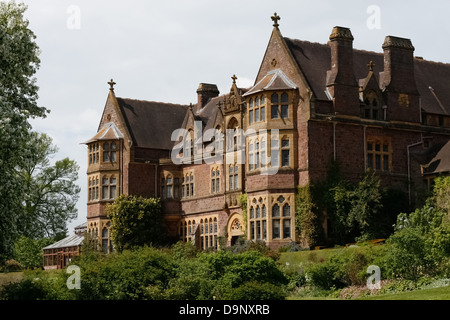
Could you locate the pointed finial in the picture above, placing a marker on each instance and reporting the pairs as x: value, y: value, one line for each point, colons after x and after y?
x: 111, y: 85
x: 234, y: 78
x: 190, y: 106
x: 371, y: 65
x: 275, y: 19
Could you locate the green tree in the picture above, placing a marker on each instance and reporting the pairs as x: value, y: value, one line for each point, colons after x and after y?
x: 28, y: 251
x: 51, y: 192
x: 136, y: 221
x: 19, y: 62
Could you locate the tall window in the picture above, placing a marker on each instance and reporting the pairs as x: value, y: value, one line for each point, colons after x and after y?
x: 258, y: 220
x: 233, y: 176
x: 281, y: 219
x: 208, y: 233
x: 187, y: 188
x: 285, y: 154
x: 93, y: 188
x: 109, y: 152
x: 372, y: 106
x: 256, y: 109
x: 215, y: 180
x: 93, y: 153
x: 109, y: 188
x: 279, y: 106
x: 170, y: 187
x: 379, y: 154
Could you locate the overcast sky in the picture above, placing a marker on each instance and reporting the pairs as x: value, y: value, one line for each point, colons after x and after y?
x: 162, y: 50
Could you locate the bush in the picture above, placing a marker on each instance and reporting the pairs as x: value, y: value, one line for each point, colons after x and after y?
x: 12, y: 265
x: 254, y: 290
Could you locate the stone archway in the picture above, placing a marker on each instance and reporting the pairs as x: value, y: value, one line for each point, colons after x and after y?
x: 235, y: 228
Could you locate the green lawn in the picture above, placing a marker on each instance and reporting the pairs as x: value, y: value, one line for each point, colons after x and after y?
x: 442, y: 293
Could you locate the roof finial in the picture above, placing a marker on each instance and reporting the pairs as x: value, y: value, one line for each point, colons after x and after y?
x: 111, y: 85
x: 371, y: 65
x: 275, y: 19
x: 234, y: 78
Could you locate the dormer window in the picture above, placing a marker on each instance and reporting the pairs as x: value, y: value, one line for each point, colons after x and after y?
x: 372, y: 106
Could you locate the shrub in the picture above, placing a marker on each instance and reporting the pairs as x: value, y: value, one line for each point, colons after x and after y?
x: 254, y: 290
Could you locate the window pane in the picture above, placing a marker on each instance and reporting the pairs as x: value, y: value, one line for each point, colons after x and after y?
x: 252, y: 213
x: 105, y: 192
x: 263, y: 113
x: 113, y: 180
x: 112, y: 191
x: 217, y: 185
x: 369, y: 146
x: 264, y: 229
x: 276, y: 229
x: 284, y: 111
x: 274, y: 112
x: 262, y: 99
x: 284, y: 97
x: 285, y: 143
x: 236, y: 181
x: 105, y: 146
x: 252, y: 230
x: 113, y: 156
x: 370, y: 160
x: 256, y: 102
x: 192, y: 189
x: 113, y: 146
x: 385, y: 148
x: 285, y: 158
x: 276, y: 210
x: 274, y: 98
x: 377, y: 162
x: 258, y: 212
x: 286, y: 210
x: 250, y: 103
x: 258, y: 230
x: 286, y: 228
x: 377, y: 147
x: 105, y: 156
x: 256, y: 115
x: 250, y: 116
x: 231, y: 182
x: 264, y: 211
x: 213, y: 186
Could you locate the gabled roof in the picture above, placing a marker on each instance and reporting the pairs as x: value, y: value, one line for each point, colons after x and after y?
x: 273, y: 80
x: 108, y: 132
x: 440, y: 162
x: 71, y: 241
x: 314, y: 60
x: 151, y: 123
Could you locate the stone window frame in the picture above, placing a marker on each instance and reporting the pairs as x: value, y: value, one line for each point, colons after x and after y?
x: 109, y: 152
x: 93, y: 188
x: 233, y: 177
x: 187, y: 185
x: 108, y: 187
x: 256, y: 106
x: 281, y: 219
x: 258, y: 219
x: 372, y: 106
x: 94, y: 153
x: 215, y: 179
x: 280, y: 102
x: 379, y: 153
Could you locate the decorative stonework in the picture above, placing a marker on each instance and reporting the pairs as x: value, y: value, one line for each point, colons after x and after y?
x: 341, y: 33
x: 396, y: 42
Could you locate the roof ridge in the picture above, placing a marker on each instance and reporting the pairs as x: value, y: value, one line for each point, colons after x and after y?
x: 152, y: 101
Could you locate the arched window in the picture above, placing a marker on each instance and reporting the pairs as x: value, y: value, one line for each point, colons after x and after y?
x: 372, y: 106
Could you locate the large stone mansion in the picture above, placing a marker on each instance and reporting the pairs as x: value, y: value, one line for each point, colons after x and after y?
x: 310, y: 104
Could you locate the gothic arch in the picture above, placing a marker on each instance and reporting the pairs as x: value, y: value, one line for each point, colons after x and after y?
x: 235, y: 226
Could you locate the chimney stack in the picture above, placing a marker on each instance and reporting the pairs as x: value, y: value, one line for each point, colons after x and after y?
x: 398, y: 80
x: 205, y: 92
x: 341, y: 80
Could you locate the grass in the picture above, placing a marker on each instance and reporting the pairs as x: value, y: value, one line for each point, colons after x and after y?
x: 442, y: 293
x: 294, y: 261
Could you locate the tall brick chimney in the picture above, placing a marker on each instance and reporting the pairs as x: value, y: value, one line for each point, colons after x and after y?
x: 341, y: 81
x: 205, y: 92
x: 398, y: 74
x: 397, y: 80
